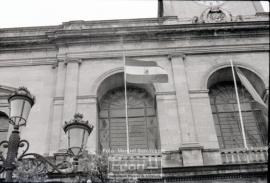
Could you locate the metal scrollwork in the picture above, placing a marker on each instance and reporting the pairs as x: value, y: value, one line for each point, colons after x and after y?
x: 30, y: 169
x: 24, y: 143
x: 3, y: 144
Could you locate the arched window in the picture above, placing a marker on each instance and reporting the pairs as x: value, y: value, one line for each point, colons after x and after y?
x: 4, y: 107
x: 143, y: 128
x: 226, y: 115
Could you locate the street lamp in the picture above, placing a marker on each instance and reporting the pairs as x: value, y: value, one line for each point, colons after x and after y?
x: 21, y: 102
x: 78, y: 131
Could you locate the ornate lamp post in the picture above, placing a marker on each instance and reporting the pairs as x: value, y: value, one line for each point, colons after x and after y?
x: 21, y: 102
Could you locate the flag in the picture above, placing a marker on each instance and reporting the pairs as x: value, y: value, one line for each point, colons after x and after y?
x: 138, y: 71
x: 249, y: 87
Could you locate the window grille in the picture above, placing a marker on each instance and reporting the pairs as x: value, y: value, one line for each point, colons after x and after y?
x: 226, y: 117
x: 143, y: 128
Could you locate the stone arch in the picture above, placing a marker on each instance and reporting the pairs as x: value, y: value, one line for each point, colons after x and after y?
x: 6, y: 89
x: 214, y: 69
x: 105, y: 78
x: 97, y: 83
x: 102, y: 77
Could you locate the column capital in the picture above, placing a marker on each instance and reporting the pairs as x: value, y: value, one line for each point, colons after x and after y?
x: 175, y: 55
x: 67, y: 60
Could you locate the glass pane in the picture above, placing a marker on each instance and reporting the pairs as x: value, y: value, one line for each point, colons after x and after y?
x: 114, y: 113
x: 85, y: 138
x: 76, y: 136
x: 16, y: 107
x: 4, y: 124
x: 26, y: 110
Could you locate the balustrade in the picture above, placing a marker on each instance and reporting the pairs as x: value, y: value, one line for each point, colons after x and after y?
x: 252, y: 155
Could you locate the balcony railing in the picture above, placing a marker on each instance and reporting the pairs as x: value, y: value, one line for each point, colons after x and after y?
x: 238, y: 156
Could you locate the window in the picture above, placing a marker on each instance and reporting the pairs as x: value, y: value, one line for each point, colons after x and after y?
x: 4, y: 107
x: 226, y: 117
x: 143, y: 129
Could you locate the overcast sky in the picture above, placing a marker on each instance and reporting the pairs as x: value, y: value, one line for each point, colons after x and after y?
x: 23, y: 13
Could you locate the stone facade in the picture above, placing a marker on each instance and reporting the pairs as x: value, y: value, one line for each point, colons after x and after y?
x: 65, y: 65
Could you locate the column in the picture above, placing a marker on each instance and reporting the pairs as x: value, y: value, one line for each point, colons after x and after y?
x: 190, y: 148
x: 70, y: 95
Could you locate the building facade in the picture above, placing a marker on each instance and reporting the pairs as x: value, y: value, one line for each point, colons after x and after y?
x: 192, y: 121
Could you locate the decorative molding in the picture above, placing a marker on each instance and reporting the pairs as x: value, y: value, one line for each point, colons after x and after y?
x: 58, y: 98
x: 166, y: 93
x: 173, y: 55
x: 190, y: 146
x: 188, y: 50
x: 198, y: 91
x: 169, y: 52
x: 8, y: 89
x: 211, y: 150
x: 192, y: 50
x: 211, y: 172
x: 215, y: 15
x: 85, y: 34
x: 71, y: 60
x: 87, y: 97
x: 28, y: 62
x: 216, y: 67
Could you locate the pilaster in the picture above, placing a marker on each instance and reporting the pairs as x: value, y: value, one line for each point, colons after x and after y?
x: 190, y: 148
x: 204, y: 123
x: 87, y: 105
x: 168, y: 121
x: 57, y: 111
x: 70, y: 94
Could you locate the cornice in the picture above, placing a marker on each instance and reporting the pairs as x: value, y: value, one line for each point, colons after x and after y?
x: 51, y: 39
x: 172, y: 51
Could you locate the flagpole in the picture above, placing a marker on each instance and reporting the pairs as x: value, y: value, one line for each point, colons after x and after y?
x: 239, y: 107
x: 125, y: 88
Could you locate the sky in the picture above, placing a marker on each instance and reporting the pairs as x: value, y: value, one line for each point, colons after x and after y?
x: 25, y: 13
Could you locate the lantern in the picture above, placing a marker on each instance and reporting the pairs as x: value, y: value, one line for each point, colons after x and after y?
x: 78, y: 132
x: 21, y: 102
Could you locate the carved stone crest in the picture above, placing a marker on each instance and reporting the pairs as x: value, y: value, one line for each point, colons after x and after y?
x: 213, y: 15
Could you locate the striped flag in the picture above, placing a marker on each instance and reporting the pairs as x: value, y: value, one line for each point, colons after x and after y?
x: 138, y: 71
x: 245, y: 82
